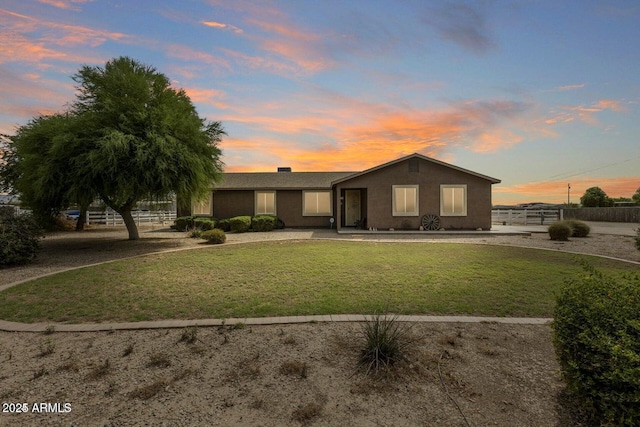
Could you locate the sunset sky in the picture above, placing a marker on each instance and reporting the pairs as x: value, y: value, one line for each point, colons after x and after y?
x: 536, y: 93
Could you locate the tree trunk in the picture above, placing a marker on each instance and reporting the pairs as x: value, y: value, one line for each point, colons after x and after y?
x: 82, y: 219
x: 132, y: 228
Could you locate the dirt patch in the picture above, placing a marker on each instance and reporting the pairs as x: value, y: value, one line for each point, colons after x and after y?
x: 304, y: 374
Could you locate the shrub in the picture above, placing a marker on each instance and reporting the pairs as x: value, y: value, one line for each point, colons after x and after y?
x: 559, y: 231
x: 578, y: 228
x: 240, y: 224
x: 597, y: 340
x: 224, y: 225
x: 204, y: 224
x: 195, y: 233
x: 215, y: 236
x: 386, y: 341
x: 19, y: 238
x: 264, y: 223
x: 183, y: 223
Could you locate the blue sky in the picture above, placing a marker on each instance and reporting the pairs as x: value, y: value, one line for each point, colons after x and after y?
x: 537, y: 93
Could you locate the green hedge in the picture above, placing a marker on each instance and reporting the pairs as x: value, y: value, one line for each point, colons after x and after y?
x: 240, y: 224
x: 19, y: 238
x: 183, y: 223
x: 264, y: 223
x: 215, y: 236
x: 204, y: 223
x: 224, y: 225
x: 559, y: 231
x: 597, y: 339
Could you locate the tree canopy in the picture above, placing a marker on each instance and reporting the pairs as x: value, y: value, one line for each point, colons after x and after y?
x: 129, y: 136
x: 595, y: 197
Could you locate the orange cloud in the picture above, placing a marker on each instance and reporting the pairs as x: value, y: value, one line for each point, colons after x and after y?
x: 207, y: 96
x: 585, y: 113
x: 353, y: 135
x: 556, y: 191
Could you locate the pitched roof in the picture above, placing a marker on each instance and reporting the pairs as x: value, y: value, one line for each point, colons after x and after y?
x: 279, y: 180
x: 419, y: 156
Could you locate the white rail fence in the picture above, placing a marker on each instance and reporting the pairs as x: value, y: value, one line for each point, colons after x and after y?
x: 526, y: 216
x: 110, y: 217
x: 140, y: 217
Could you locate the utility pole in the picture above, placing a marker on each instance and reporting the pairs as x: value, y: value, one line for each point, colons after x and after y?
x: 568, y: 194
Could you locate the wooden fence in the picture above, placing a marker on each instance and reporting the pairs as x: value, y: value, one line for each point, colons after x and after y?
x: 525, y: 216
x: 614, y: 214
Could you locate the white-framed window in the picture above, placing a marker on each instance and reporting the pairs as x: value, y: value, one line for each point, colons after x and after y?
x: 265, y: 202
x: 316, y: 203
x: 203, y: 207
x: 453, y: 200
x: 405, y: 200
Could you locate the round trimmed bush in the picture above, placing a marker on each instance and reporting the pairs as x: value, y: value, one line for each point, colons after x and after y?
x: 578, y: 228
x: 559, y: 231
x: 215, y: 236
x: 264, y: 223
x: 240, y: 224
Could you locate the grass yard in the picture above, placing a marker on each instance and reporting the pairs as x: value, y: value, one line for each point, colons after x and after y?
x: 304, y: 277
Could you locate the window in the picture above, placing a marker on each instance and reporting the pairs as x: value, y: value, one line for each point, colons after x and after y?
x: 453, y: 200
x: 202, y: 208
x: 316, y: 203
x: 265, y: 202
x: 405, y: 200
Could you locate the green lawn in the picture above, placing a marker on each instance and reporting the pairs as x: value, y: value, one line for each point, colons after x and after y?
x: 308, y: 277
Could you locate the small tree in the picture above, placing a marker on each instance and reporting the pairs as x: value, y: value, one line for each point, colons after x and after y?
x: 595, y: 197
x: 38, y: 167
x: 636, y: 197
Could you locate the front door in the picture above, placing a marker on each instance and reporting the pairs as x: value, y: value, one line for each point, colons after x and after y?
x: 351, y: 207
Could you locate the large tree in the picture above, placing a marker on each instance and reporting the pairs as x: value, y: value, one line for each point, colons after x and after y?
x: 595, y: 197
x: 130, y: 136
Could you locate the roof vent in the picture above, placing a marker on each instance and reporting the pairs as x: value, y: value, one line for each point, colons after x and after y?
x: 284, y: 169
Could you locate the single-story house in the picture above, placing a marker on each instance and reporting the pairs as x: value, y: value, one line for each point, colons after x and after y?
x: 406, y: 193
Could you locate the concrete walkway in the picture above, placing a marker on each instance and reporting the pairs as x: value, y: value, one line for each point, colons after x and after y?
x: 162, y: 324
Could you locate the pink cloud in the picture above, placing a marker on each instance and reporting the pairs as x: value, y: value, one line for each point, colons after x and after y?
x: 64, y: 4
x: 221, y: 26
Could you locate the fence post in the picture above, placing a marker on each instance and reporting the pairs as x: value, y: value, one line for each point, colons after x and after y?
x: 561, y: 216
x: 509, y: 217
x: 525, y: 217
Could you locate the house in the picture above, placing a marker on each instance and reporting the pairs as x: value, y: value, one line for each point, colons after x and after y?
x: 406, y: 193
